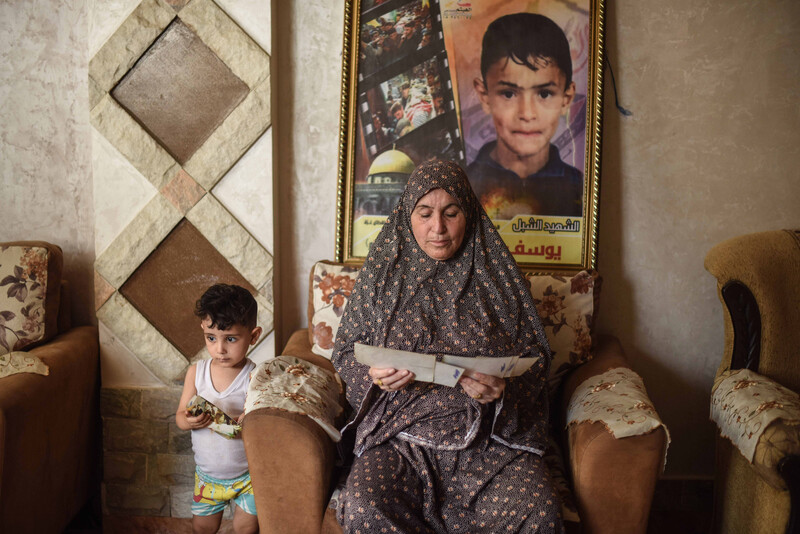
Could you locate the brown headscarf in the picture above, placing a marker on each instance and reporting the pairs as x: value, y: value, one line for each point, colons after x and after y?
x: 475, y: 303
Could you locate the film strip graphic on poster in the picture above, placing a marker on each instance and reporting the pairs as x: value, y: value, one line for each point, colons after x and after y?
x: 406, y: 107
x: 405, y: 94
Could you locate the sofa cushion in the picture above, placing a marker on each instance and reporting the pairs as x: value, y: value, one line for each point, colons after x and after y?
x: 30, y: 279
x: 566, y: 305
x: 330, y: 288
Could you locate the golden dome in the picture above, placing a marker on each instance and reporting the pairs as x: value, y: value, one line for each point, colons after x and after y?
x: 392, y: 161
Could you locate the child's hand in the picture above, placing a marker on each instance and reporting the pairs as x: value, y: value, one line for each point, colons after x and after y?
x: 197, y: 422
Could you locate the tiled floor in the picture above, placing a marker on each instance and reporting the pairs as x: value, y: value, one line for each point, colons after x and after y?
x: 679, y: 507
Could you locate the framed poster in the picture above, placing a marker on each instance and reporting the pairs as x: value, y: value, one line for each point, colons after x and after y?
x: 509, y: 89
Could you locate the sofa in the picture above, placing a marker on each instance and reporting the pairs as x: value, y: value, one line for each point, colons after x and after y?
x: 613, y: 464
x: 754, y: 399
x: 50, y: 431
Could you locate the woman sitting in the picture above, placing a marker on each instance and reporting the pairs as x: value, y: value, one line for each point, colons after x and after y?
x: 431, y: 458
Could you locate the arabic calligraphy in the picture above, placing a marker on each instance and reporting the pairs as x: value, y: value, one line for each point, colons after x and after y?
x: 549, y: 252
x: 540, y: 225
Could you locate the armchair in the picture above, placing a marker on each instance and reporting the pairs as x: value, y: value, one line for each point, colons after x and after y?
x: 50, y: 432
x: 612, y: 478
x: 757, y: 471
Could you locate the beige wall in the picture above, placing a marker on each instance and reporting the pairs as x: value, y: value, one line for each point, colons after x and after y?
x: 710, y: 152
x: 45, y: 141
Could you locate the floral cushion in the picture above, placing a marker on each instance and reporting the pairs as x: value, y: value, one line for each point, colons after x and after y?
x: 30, y: 275
x: 331, y: 285
x: 565, y: 304
x: 760, y: 417
x: 567, y: 307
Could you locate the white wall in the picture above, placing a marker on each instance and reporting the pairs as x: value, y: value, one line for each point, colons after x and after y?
x: 710, y: 152
x: 45, y: 141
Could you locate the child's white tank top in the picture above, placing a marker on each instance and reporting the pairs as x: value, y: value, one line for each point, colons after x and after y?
x: 215, y: 455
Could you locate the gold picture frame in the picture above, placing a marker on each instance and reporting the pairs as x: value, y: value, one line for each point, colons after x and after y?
x: 413, y: 89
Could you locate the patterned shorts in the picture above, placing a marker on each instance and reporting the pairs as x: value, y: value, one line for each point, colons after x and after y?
x: 211, y: 495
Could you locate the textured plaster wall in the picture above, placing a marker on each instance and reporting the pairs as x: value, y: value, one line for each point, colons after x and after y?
x: 307, y: 77
x: 45, y: 139
x: 711, y: 152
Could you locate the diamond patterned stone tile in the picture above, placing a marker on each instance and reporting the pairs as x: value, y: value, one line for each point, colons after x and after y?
x: 166, y: 286
x: 183, y: 191
x: 180, y: 91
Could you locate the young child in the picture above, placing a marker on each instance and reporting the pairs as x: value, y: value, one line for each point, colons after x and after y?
x: 526, y: 86
x: 228, y: 318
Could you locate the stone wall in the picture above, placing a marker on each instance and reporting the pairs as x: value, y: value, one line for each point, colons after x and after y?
x: 148, y: 463
x: 180, y: 97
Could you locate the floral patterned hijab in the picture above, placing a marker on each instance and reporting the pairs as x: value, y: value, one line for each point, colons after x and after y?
x: 475, y: 303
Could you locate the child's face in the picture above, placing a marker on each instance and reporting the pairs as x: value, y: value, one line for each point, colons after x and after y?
x: 525, y: 105
x: 228, y: 348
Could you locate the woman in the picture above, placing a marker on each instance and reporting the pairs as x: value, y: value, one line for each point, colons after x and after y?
x: 430, y: 458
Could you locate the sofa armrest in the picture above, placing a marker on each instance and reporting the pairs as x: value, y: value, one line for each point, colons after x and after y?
x: 51, y: 435
x: 762, y: 420
x: 613, y: 478
x: 291, y: 459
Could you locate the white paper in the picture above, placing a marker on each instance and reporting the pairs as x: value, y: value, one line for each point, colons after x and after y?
x: 447, y: 371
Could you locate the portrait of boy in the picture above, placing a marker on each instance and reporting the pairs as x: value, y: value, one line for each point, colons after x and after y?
x: 526, y: 86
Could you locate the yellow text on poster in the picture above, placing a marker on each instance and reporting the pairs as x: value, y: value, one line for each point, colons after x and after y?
x: 543, y: 239
x: 365, y: 230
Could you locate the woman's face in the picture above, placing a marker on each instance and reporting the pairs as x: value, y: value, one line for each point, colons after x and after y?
x: 438, y: 224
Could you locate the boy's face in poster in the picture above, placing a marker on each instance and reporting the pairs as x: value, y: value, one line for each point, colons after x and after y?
x: 526, y: 106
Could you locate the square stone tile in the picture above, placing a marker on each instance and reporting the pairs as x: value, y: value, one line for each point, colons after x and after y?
x: 180, y: 91
x: 166, y: 286
x: 121, y: 402
x: 183, y: 191
x: 170, y: 469
x: 160, y: 404
x: 124, y: 468
x: 136, y: 500
x: 180, y: 441
x: 102, y: 291
x: 134, y: 435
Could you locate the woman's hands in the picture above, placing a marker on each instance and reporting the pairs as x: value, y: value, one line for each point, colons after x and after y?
x: 481, y: 387
x: 390, y: 379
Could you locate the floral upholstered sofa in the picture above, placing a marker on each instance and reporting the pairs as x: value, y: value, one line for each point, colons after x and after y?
x: 612, y: 438
x: 50, y: 434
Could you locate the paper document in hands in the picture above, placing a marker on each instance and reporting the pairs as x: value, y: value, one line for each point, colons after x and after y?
x: 441, y: 369
x: 222, y: 423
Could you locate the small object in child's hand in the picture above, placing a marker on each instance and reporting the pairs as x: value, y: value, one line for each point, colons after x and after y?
x: 221, y: 423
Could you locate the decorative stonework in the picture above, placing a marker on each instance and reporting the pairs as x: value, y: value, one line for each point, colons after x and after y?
x: 162, y: 245
x: 180, y: 91
x: 140, y: 68
x: 102, y: 291
x: 166, y: 286
x: 183, y: 191
x: 141, y: 337
x: 232, y: 241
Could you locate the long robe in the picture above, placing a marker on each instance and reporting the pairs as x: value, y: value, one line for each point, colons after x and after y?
x: 417, y: 449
